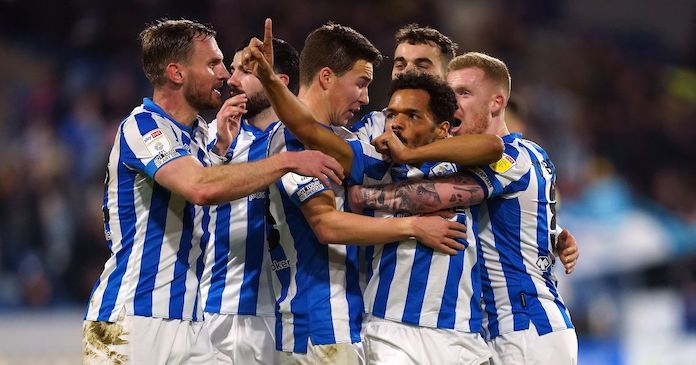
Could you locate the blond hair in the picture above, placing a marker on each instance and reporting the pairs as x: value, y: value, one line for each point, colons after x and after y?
x: 492, y: 67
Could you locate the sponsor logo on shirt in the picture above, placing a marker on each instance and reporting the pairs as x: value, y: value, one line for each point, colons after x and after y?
x: 257, y: 195
x: 278, y: 265
x: 165, y: 156
x: 443, y: 169
x: 156, y: 142
x: 307, y: 191
x: 504, y: 164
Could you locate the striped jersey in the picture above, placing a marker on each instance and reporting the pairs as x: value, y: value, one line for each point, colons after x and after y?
x: 156, y: 238
x: 517, y: 229
x: 237, y: 275
x: 370, y: 126
x: 317, y: 289
x: 413, y: 284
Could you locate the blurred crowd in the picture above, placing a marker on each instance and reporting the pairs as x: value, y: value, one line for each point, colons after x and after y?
x: 607, y: 105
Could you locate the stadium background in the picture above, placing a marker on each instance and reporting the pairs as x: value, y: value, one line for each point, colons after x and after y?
x: 609, y: 88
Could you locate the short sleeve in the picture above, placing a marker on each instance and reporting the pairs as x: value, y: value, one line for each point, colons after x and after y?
x: 506, y: 176
x: 369, y: 166
x: 148, y: 144
x: 298, y: 188
x: 369, y: 127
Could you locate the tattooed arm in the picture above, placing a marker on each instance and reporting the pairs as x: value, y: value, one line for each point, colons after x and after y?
x: 418, y: 196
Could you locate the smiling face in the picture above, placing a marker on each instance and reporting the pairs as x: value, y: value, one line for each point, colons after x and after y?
x: 411, y: 119
x: 204, y: 74
x: 425, y: 58
x: 348, y: 92
x: 475, y: 95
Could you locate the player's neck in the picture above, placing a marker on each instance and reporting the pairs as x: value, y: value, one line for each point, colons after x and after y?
x: 262, y: 120
x: 174, y: 104
x: 498, y: 127
x: 316, y: 102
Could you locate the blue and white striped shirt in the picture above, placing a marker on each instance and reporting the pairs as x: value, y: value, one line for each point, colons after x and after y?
x: 156, y: 238
x: 317, y: 285
x: 517, y: 230
x: 411, y: 283
x: 237, y: 275
x: 370, y: 126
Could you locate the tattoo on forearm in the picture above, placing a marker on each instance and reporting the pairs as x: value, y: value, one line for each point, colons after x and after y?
x: 419, y: 196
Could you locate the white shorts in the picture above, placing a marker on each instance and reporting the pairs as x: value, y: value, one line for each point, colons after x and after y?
x: 145, y: 340
x: 241, y: 339
x: 528, y: 348
x: 389, y: 342
x: 334, y: 354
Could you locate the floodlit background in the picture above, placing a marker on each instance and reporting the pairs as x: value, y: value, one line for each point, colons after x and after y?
x: 607, y: 87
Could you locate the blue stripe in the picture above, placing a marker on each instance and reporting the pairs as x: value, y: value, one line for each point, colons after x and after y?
x: 221, y: 246
x: 353, y: 293
x: 476, y: 317
x: 387, y: 267
x: 249, y: 291
x: 417, y: 284
x: 178, y: 288
x: 200, y: 262
x: 505, y: 224
x: 447, y: 316
x: 543, y: 231
x: 126, y: 215
x: 487, y: 289
x: 299, y: 305
x: 156, y: 222
x: 145, y: 123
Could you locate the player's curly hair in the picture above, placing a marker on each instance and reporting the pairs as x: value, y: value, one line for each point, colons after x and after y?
x: 166, y: 41
x: 442, y: 101
x: 337, y: 47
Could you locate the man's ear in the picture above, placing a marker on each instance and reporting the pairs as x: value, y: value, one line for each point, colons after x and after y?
x: 175, y: 73
x: 498, y: 104
x: 326, y: 77
x: 442, y: 130
x: 284, y: 78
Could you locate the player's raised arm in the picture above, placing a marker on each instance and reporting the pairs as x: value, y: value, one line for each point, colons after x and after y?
x: 258, y: 56
x: 466, y: 150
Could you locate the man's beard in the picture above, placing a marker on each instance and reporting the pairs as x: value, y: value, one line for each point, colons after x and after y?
x: 255, y: 104
x: 479, y: 126
x: 201, y: 100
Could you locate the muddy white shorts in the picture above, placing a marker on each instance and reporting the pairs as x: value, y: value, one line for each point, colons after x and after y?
x: 334, y: 354
x: 241, y: 339
x: 528, y: 348
x: 146, y: 340
x: 389, y: 342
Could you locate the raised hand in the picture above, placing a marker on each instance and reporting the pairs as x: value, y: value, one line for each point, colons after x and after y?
x: 257, y: 57
x: 439, y: 233
x: 316, y: 164
x: 568, y: 251
x: 229, y: 121
x: 388, y: 143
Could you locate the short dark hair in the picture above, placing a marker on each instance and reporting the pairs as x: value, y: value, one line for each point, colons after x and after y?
x: 337, y: 47
x: 416, y: 34
x: 442, y: 101
x: 166, y: 41
x: 286, y: 61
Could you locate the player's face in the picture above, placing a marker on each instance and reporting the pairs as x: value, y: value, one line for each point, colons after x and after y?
x: 411, y: 119
x: 245, y: 82
x: 205, y: 74
x: 475, y: 96
x: 348, y: 92
x: 423, y: 58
